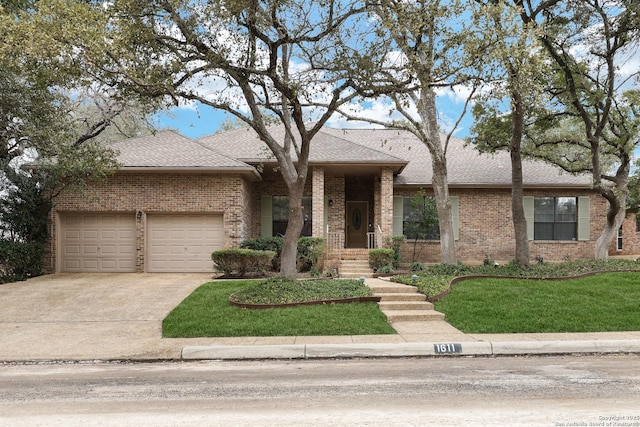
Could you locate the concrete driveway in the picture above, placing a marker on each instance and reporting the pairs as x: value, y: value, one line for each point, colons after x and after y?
x: 91, y: 316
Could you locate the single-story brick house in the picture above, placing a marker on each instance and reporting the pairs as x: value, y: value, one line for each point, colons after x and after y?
x: 175, y: 200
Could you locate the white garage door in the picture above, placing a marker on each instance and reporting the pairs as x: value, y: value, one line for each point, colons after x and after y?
x: 98, y: 243
x: 183, y: 243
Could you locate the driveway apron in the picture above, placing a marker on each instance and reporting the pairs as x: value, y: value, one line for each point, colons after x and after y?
x: 91, y: 316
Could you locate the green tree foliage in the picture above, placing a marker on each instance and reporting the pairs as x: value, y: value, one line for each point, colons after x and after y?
x: 592, y: 124
x: 53, y: 115
x: 578, y: 107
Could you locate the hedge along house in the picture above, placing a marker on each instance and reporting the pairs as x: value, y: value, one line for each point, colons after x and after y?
x: 175, y: 200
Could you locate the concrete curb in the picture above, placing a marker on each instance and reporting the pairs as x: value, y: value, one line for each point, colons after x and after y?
x: 472, y: 348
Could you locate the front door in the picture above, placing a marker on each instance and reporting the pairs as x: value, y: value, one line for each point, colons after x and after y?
x: 357, y: 224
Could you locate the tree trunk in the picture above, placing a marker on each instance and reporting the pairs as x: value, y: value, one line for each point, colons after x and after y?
x: 609, y: 233
x: 443, y: 205
x: 517, y: 192
x: 289, y: 255
x: 615, y: 217
x: 439, y: 181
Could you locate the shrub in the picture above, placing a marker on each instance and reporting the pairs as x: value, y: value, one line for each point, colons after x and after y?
x: 385, y: 269
x: 309, y: 253
x: 19, y: 261
x: 380, y: 257
x: 266, y: 244
x: 417, y: 266
x: 241, y: 261
x: 395, y: 243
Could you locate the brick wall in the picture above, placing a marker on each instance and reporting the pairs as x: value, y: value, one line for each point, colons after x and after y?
x: 486, y: 228
x: 229, y: 195
x: 630, y: 238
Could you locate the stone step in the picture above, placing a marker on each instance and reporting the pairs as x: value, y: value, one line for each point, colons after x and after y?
x: 355, y: 275
x: 405, y: 305
x: 354, y: 267
x: 413, y: 315
x: 393, y: 289
x: 362, y: 264
x: 403, y: 296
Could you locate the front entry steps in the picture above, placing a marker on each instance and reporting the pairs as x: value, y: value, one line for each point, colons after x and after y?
x: 354, y: 269
x: 351, y: 263
x: 403, y: 303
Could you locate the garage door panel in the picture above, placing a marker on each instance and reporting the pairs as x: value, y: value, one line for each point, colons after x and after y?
x: 95, y: 242
x: 89, y: 250
x: 89, y: 234
x: 183, y: 243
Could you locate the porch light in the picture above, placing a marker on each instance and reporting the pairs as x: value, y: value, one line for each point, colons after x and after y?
x: 330, y: 202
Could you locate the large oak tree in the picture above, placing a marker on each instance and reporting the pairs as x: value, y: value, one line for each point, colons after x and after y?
x: 263, y: 62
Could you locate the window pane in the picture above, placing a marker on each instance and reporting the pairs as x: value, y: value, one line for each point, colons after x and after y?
x: 543, y: 231
x: 566, y: 209
x: 280, y: 215
x: 307, y: 214
x: 279, y: 228
x: 543, y: 209
x: 280, y: 209
x: 565, y: 231
x: 413, y: 225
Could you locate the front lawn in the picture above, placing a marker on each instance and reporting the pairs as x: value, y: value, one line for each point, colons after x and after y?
x: 207, y: 313
x: 601, y: 303
x: 435, y: 280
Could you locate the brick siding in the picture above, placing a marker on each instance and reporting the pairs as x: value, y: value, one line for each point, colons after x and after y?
x: 486, y: 228
x: 630, y: 238
x: 485, y: 224
x: 229, y: 195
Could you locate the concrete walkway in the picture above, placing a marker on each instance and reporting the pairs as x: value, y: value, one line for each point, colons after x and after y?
x: 119, y: 317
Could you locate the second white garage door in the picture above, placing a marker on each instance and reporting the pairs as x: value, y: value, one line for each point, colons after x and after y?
x: 183, y: 243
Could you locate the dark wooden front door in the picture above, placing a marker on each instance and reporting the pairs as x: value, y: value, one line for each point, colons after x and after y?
x: 357, y: 224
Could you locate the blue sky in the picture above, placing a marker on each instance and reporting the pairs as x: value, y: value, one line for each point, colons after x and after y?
x: 205, y: 120
x: 191, y: 123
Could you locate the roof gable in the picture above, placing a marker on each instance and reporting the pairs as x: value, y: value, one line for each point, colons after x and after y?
x: 327, y: 148
x: 169, y: 149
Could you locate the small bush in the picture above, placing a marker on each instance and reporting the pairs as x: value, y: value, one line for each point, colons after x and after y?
x: 266, y: 244
x: 309, y: 253
x: 417, y: 266
x: 385, y: 269
x: 395, y: 243
x: 242, y: 261
x: 19, y: 261
x: 380, y: 257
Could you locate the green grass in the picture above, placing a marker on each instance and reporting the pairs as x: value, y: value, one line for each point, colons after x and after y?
x: 207, y: 313
x: 435, y: 280
x: 600, y: 303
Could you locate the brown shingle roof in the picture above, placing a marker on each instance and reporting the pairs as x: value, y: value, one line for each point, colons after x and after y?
x: 244, y: 144
x: 465, y: 165
x: 237, y: 149
x: 169, y: 149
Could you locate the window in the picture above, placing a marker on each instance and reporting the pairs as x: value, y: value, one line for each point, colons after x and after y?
x: 619, y: 242
x: 638, y: 221
x: 555, y: 218
x: 420, y: 218
x: 280, y: 215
